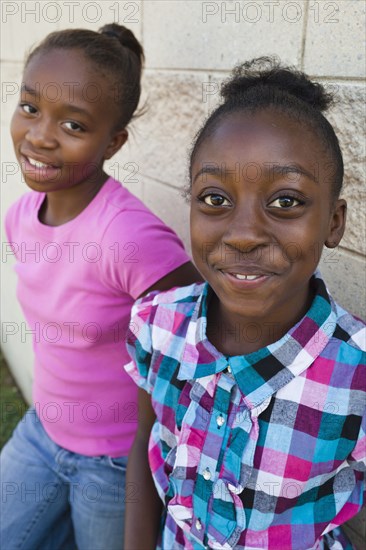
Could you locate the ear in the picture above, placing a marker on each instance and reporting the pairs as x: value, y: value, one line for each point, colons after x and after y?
x: 337, y: 224
x: 117, y: 141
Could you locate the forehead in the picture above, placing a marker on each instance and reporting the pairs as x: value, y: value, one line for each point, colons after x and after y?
x: 263, y: 137
x: 66, y: 74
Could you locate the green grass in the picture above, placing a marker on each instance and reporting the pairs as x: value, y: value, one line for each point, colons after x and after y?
x: 12, y: 403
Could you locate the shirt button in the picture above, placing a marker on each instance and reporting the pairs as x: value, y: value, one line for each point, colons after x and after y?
x: 207, y: 474
x: 198, y: 525
x: 229, y: 369
x: 220, y: 421
x: 236, y: 490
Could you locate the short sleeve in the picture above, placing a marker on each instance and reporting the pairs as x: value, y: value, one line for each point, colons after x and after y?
x: 139, y: 344
x: 139, y: 250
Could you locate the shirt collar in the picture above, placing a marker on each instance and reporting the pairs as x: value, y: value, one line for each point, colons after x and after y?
x: 262, y: 373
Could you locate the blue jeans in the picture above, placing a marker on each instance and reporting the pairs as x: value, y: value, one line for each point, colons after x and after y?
x: 54, y: 499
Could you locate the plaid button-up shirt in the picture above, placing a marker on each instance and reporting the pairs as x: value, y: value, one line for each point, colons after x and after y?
x: 264, y: 450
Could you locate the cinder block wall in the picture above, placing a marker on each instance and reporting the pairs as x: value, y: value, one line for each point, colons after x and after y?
x: 190, y: 48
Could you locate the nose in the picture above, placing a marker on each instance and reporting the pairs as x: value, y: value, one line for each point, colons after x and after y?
x: 246, y: 229
x: 41, y: 134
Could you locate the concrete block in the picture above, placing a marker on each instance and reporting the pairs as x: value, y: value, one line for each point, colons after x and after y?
x: 348, y: 120
x: 344, y: 274
x: 217, y: 35
x: 27, y: 23
x: 162, y: 137
x: 168, y: 203
x: 12, y: 183
x: 124, y: 168
x: 334, y: 44
x: 11, y: 76
x: 24, y: 24
x: 212, y: 90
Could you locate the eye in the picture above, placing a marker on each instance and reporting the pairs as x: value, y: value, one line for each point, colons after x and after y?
x: 214, y: 199
x: 285, y: 202
x: 27, y: 108
x: 73, y: 126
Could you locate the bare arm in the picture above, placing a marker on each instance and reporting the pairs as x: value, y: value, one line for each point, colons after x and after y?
x: 184, y: 275
x: 142, y: 517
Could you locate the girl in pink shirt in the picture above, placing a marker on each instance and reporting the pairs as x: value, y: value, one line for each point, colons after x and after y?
x: 86, y: 249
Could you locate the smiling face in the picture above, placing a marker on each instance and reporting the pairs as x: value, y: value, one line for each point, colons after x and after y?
x: 261, y: 211
x: 63, y: 127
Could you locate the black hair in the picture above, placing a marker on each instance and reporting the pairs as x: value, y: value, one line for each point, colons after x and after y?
x: 264, y: 83
x: 113, y: 49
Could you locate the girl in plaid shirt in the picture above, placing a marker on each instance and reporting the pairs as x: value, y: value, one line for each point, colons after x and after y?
x: 254, y: 425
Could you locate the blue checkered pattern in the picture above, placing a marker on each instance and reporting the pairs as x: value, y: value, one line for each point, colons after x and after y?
x: 265, y: 450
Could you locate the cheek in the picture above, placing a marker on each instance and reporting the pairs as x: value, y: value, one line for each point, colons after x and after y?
x: 83, y: 156
x: 202, y: 231
x: 92, y: 151
x: 302, y: 252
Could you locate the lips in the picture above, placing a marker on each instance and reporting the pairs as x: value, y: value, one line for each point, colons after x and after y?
x: 246, y: 271
x: 245, y: 276
x: 242, y: 281
x: 39, y: 169
x: 38, y: 162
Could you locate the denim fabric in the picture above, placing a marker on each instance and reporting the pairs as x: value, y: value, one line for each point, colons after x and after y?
x: 53, y: 498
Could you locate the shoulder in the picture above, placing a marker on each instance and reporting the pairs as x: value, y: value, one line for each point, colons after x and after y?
x: 349, y: 329
x: 155, y: 318
x: 125, y: 208
x: 165, y: 312
x: 25, y: 203
x: 119, y: 198
x: 21, y: 211
x: 126, y: 215
x: 138, y: 248
x: 344, y: 356
x: 177, y: 299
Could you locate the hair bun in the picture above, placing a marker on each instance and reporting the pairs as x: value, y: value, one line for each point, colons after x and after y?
x: 267, y: 72
x: 125, y: 37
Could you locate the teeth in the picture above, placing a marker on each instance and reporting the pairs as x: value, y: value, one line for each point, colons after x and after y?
x: 246, y: 277
x: 36, y: 163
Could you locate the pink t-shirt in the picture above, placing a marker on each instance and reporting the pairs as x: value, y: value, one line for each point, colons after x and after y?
x: 76, y: 285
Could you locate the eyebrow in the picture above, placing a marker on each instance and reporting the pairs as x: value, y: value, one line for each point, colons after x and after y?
x: 279, y: 170
x: 273, y: 169
x: 28, y: 90
x: 69, y: 106
x: 211, y: 170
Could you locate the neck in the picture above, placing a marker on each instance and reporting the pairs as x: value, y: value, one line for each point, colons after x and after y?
x: 64, y: 205
x: 238, y: 335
